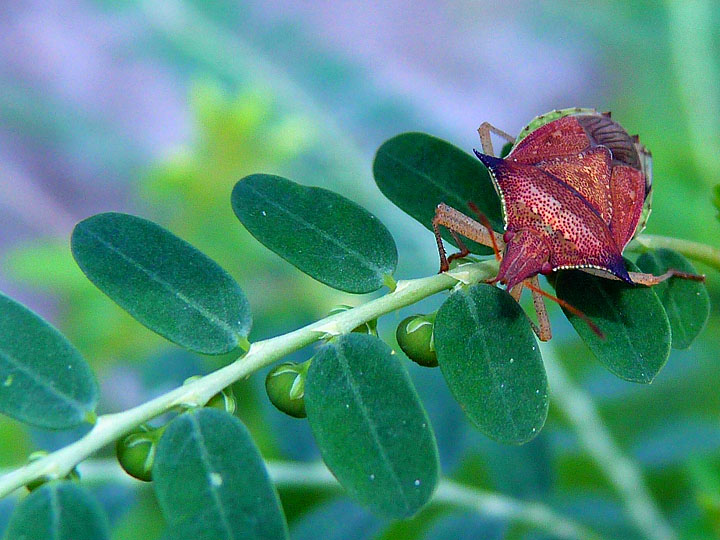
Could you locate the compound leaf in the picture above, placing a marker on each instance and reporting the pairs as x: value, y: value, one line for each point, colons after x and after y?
x: 59, y: 510
x: 636, y: 342
x: 162, y: 281
x: 44, y: 380
x: 491, y: 362
x: 417, y: 172
x: 372, y: 430
x: 211, y: 482
x: 686, y: 302
x: 323, y: 234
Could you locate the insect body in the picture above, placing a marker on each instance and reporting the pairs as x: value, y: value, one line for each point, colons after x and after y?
x: 575, y: 188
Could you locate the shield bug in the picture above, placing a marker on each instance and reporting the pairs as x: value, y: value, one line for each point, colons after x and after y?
x: 575, y: 188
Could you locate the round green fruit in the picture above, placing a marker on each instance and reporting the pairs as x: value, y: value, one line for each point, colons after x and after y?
x: 415, y: 337
x: 285, y: 386
x: 223, y: 400
x: 136, y: 452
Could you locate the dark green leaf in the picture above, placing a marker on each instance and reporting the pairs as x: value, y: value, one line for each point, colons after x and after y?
x: 371, y: 428
x: 325, y: 235
x: 211, y: 482
x: 489, y: 357
x: 637, y: 332
x: 58, y: 511
x: 44, y: 380
x: 686, y: 302
x: 162, y: 281
x: 716, y: 200
x: 417, y: 172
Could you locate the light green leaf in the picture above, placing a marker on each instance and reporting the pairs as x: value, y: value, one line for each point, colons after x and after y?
x: 417, y: 172
x: 636, y: 342
x: 162, y: 281
x: 211, y: 482
x: 44, y: 380
x: 371, y: 428
x: 58, y: 510
x: 686, y: 302
x: 491, y: 362
x: 325, y: 235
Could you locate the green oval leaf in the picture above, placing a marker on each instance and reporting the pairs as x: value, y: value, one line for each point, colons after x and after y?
x: 59, y: 510
x: 323, y: 234
x: 637, y: 332
x: 372, y: 430
x: 686, y: 302
x: 491, y: 362
x: 162, y: 281
x: 211, y: 482
x: 44, y: 380
x: 417, y: 172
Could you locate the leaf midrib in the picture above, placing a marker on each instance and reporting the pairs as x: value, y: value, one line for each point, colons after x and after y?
x: 679, y: 320
x: 44, y: 383
x: 354, y: 389
x: 55, y: 510
x: 365, y: 262
x: 206, y: 314
x: 455, y: 200
x: 206, y: 462
x: 615, y: 318
x: 472, y: 308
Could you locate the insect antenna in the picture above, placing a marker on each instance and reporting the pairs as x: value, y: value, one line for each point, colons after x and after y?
x: 572, y: 309
x: 486, y: 223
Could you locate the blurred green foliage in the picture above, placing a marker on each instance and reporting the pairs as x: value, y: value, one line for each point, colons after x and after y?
x: 646, y: 56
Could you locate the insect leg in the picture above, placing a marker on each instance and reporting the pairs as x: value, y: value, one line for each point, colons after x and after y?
x: 544, y: 333
x: 594, y: 327
x: 484, y: 131
x: 457, y: 222
x: 461, y: 245
x: 516, y: 291
x: 486, y: 223
x: 444, y: 264
x: 650, y: 280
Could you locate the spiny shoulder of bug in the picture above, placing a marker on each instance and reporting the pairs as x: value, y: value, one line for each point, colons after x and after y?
x: 548, y: 155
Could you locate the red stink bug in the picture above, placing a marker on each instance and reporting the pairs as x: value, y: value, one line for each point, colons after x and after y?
x: 574, y: 189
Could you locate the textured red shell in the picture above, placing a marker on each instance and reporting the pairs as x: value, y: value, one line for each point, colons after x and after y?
x: 572, y: 193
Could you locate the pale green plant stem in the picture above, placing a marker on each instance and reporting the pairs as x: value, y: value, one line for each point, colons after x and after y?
x: 110, y: 427
x: 702, y: 253
x: 316, y: 476
x: 620, y: 470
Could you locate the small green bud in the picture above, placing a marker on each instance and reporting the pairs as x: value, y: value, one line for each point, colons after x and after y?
x: 136, y: 452
x: 285, y: 386
x: 369, y: 327
x: 72, y: 475
x: 223, y: 400
x: 415, y: 335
